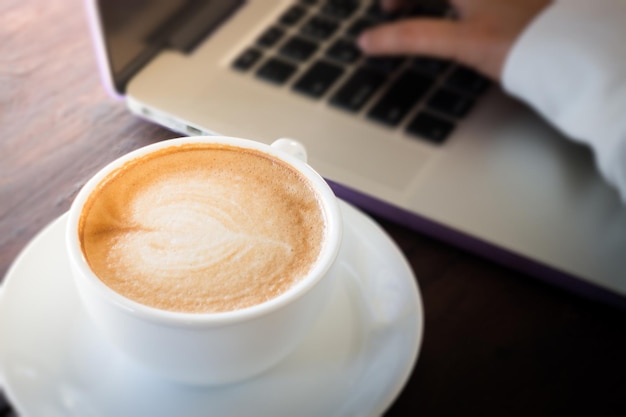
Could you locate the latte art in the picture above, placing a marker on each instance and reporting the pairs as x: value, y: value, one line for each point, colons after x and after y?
x: 202, y: 230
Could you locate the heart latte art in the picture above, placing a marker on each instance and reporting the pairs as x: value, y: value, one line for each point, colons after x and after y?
x: 202, y: 228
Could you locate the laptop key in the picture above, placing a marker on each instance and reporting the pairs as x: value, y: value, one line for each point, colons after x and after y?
x: 292, y: 16
x: 431, y: 66
x: 375, y: 12
x: 247, y: 59
x: 318, y: 79
x: 298, y: 49
x: 276, y: 71
x: 432, y: 9
x: 359, y: 26
x: 270, y: 37
x: 359, y: 88
x: 339, y: 9
x: 404, y: 93
x: 385, y: 64
x: 467, y: 80
x: 319, y: 28
x: 430, y: 127
x: 450, y: 103
x: 344, y: 51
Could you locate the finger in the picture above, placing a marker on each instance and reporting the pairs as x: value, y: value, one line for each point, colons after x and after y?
x: 391, y: 5
x: 440, y: 38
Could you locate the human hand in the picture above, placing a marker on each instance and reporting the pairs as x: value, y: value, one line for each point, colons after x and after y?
x: 481, y: 37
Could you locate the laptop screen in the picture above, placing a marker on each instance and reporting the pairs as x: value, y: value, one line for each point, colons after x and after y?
x: 136, y: 30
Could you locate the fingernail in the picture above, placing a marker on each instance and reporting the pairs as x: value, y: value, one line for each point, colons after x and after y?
x: 363, y: 41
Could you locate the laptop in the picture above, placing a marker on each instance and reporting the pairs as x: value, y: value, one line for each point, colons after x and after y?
x: 426, y: 143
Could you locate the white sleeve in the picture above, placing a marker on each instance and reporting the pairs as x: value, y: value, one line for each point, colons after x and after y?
x: 570, y: 65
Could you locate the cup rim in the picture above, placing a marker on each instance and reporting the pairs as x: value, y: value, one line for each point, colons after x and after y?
x: 326, y: 258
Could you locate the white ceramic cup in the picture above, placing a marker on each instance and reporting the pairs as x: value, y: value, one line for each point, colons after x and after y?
x: 211, y: 348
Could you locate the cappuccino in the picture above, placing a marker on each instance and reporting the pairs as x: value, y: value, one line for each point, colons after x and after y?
x: 202, y: 228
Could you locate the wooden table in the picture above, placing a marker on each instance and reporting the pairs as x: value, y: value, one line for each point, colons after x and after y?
x: 497, y: 342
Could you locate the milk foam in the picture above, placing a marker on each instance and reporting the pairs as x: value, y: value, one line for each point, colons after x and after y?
x: 198, y: 235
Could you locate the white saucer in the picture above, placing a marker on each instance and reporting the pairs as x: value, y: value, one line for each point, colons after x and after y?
x: 354, y: 363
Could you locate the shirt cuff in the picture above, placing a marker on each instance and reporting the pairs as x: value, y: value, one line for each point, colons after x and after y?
x: 570, y: 66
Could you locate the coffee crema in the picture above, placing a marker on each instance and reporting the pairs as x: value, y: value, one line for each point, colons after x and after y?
x: 202, y: 228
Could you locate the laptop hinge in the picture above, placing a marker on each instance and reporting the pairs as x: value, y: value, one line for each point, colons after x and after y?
x: 194, y: 22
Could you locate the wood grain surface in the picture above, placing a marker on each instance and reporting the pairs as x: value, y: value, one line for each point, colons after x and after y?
x: 497, y: 342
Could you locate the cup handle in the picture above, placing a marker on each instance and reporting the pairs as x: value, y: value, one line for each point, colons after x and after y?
x: 292, y: 147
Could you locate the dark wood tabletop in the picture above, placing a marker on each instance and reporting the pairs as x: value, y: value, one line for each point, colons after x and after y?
x: 496, y: 342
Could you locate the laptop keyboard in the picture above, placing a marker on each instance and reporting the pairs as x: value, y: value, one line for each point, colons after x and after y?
x: 311, y: 48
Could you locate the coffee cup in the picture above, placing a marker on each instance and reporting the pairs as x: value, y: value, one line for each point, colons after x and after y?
x: 206, y: 260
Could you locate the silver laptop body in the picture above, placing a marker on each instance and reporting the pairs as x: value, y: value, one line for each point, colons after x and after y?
x: 503, y: 184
